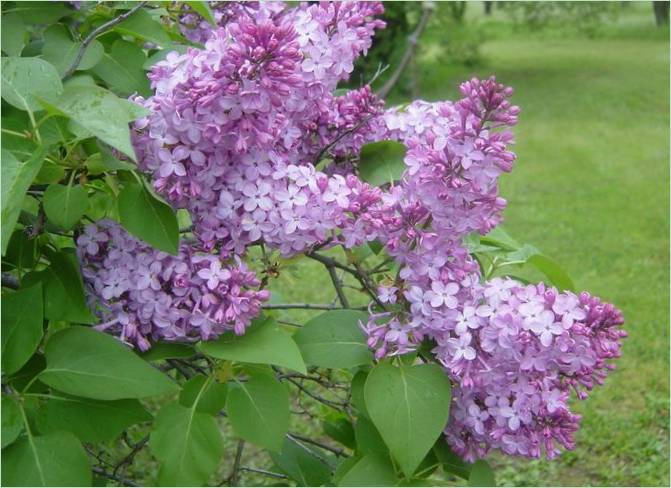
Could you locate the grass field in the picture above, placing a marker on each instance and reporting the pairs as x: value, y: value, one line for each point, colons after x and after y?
x: 591, y: 189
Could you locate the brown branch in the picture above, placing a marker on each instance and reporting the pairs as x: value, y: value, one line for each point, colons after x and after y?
x: 413, y: 39
x: 338, y: 452
x: 95, y: 33
x: 235, y: 472
x: 119, y: 479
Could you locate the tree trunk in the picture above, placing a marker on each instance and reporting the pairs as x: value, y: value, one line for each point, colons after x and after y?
x: 661, y: 10
x: 488, y: 8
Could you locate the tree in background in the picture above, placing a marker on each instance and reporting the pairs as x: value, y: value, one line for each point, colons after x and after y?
x: 661, y: 10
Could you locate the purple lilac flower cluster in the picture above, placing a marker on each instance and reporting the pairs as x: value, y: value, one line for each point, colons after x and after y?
x: 235, y: 128
x: 514, y: 352
x: 143, y: 295
x: 235, y: 135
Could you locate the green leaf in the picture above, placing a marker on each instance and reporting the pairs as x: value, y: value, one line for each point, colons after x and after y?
x: 188, y: 443
x: 22, y: 316
x: 334, y: 340
x: 90, y: 420
x: 21, y: 251
x: 450, y: 461
x: 340, y: 429
x: 371, y: 470
x: 481, y: 474
x: 84, y: 362
x: 500, y: 238
x: 24, y: 376
x: 121, y: 69
x: 302, y: 464
x: 149, y: 219
x: 65, y: 205
x: 16, y: 178
x: 62, y: 288
x: 549, y: 267
x: 101, y: 112
x: 56, y: 459
x: 204, y: 10
x: 61, y: 51
x: 368, y: 438
x: 382, y: 162
x: 168, y: 350
x: 258, y: 410
x: 263, y: 343
x: 411, y: 423
x: 141, y: 25
x: 14, y: 34
x: 211, y: 397
x: 12, y: 423
x: 358, y: 383
x: 39, y: 12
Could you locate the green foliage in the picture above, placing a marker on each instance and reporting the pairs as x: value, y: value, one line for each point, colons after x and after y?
x: 373, y: 469
x: 25, y: 79
x: 188, y: 444
x: 21, y: 327
x: 65, y: 205
x: 263, y: 343
x: 334, y: 340
x: 382, y: 162
x: 55, y: 459
x: 90, y: 420
x: 87, y: 363
x: 258, y: 410
x: 16, y: 178
x: 148, y: 218
x: 302, y: 464
x: 411, y: 423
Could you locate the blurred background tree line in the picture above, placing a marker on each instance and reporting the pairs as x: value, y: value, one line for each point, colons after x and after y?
x: 462, y: 40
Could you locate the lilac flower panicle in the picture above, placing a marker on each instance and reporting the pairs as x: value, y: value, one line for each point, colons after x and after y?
x: 143, y: 295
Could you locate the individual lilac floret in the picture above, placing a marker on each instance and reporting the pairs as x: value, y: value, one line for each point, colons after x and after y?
x: 143, y: 295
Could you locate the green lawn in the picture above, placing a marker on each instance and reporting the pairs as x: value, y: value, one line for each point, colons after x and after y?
x: 591, y: 189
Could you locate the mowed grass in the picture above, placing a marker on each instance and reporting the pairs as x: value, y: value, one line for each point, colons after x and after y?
x: 591, y: 189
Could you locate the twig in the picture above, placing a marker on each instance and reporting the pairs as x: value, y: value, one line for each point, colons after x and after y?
x: 95, y: 33
x: 307, y: 306
x: 338, y: 452
x: 337, y: 284
x: 427, y: 10
x: 330, y: 403
x: 235, y: 472
x: 179, y: 367
x: 128, y: 459
x: 340, y: 137
x: 263, y: 472
x: 119, y: 479
x: 9, y: 281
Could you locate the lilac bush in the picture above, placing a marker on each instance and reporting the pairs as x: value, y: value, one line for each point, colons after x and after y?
x: 251, y: 136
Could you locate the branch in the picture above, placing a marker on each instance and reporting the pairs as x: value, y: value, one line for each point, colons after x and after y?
x: 263, y: 472
x: 357, y: 272
x: 337, y: 284
x: 119, y: 479
x: 9, y: 281
x: 128, y: 459
x: 427, y: 10
x: 334, y: 450
x: 95, y: 33
x: 234, y: 476
x: 307, y: 306
x: 341, y: 137
x: 329, y: 403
